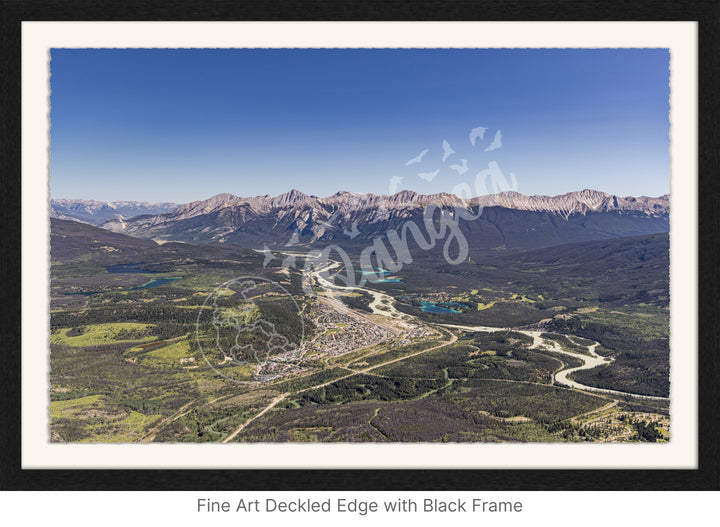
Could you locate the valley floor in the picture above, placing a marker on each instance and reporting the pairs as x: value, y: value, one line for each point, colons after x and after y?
x: 368, y: 373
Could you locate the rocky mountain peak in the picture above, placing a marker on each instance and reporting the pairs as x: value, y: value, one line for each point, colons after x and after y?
x: 290, y: 198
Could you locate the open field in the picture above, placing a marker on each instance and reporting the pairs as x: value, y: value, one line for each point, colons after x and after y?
x: 98, y: 334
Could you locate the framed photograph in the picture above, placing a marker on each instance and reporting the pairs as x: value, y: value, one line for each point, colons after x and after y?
x: 377, y: 247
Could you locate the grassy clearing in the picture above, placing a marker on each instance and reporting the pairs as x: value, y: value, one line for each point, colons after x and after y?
x: 172, y: 355
x: 528, y: 432
x: 241, y: 372
x: 57, y: 408
x: 98, y: 334
x: 585, y: 310
x: 649, y: 322
x: 96, y: 419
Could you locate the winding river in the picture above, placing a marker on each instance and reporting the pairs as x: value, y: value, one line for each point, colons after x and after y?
x: 561, y: 377
x: 382, y: 304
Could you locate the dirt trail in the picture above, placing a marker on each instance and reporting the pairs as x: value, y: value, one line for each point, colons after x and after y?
x: 183, y: 410
x: 267, y: 408
x: 595, y: 411
x: 150, y: 435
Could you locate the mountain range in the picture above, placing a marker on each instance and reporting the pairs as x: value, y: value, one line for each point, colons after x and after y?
x: 582, y: 202
x: 508, y: 220
x: 97, y: 212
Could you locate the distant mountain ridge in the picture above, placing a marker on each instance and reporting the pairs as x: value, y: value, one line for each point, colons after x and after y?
x: 508, y: 219
x: 580, y: 202
x: 97, y: 212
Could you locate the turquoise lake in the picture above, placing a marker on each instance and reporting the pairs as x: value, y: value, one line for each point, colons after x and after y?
x: 440, y: 307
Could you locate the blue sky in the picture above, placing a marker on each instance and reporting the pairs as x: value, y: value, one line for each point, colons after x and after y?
x: 183, y: 125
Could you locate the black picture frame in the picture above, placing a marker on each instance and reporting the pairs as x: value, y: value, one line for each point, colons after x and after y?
x: 705, y: 477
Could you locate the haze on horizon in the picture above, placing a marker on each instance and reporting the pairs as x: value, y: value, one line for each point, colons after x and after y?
x: 184, y: 125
